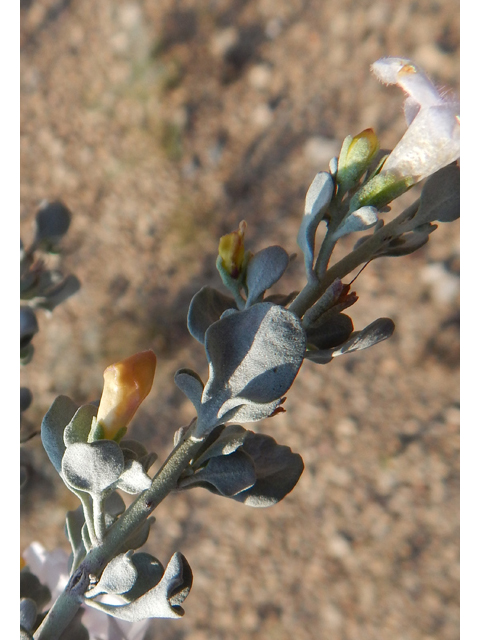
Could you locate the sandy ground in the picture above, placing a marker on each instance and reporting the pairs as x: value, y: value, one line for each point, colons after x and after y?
x: 163, y: 124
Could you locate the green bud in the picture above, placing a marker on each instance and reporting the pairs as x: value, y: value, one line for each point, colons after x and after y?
x: 380, y: 190
x: 355, y: 156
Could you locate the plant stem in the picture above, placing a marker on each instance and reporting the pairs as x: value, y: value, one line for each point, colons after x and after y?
x: 313, y: 290
x: 68, y: 603
x: 88, y: 512
x: 99, y: 517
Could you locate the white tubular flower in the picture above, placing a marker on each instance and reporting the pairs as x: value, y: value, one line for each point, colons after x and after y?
x: 432, y: 139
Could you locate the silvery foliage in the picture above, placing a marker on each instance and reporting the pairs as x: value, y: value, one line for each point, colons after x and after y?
x: 255, y: 343
x: 42, y: 288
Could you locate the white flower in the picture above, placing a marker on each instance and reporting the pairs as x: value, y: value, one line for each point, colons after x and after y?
x: 432, y: 139
x: 51, y: 568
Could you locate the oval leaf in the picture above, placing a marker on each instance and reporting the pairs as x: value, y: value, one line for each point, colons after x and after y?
x: 333, y: 331
x: 206, y: 308
x: 162, y: 601
x: 376, y: 332
x: 118, y: 576
x: 78, y: 428
x: 440, y: 199
x: 191, y: 384
x: 317, y: 200
x: 149, y: 573
x: 53, y: 425
x: 254, y: 357
x: 359, y: 220
x: 133, y: 479
x: 227, y: 474
x: 92, y: 467
x: 277, y: 468
x: 264, y: 269
x: 28, y: 613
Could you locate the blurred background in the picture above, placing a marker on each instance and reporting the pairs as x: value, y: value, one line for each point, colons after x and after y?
x: 163, y: 124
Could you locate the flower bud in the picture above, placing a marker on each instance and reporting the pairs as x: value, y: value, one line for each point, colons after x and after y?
x: 231, y: 250
x: 126, y: 385
x: 379, y: 191
x: 355, y: 156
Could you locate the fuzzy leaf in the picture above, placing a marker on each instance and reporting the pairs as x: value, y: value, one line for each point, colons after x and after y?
x: 228, y: 474
x: 254, y: 357
x: 162, y: 601
x: 440, y: 199
x: 114, y: 504
x: 317, y: 201
x: 277, y: 469
x: 376, y: 332
x: 87, y: 543
x: 135, y: 446
x: 118, y: 577
x: 53, y: 425
x: 149, y: 573
x: 359, y: 220
x: 133, y: 479
x: 230, y: 439
x: 264, y: 269
x: 78, y: 428
x: 93, y: 467
x: 206, y: 308
x: 267, y: 470
x: 139, y: 537
x: 283, y: 299
x: 327, y: 300
x: 191, y: 384
x: 407, y: 243
x: 330, y: 331
x: 28, y: 613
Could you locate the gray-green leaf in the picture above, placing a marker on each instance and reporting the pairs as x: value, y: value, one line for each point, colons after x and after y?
x: 228, y: 474
x: 162, y: 601
x: 264, y: 269
x: 254, y: 357
x: 317, y: 201
x: 93, y: 467
x: 133, y: 479
x: 78, y: 428
x: 28, y: 613
x: 359, y: 220
x: 53, y: 425
x: 191, y: 384
x: 440, y: 199
x: 118, y: 576
x: 206, y: 308
x: 376, y: 332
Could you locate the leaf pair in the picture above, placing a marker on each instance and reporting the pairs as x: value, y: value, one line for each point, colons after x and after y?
x: 245, y: 466
x: 140, y: 581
